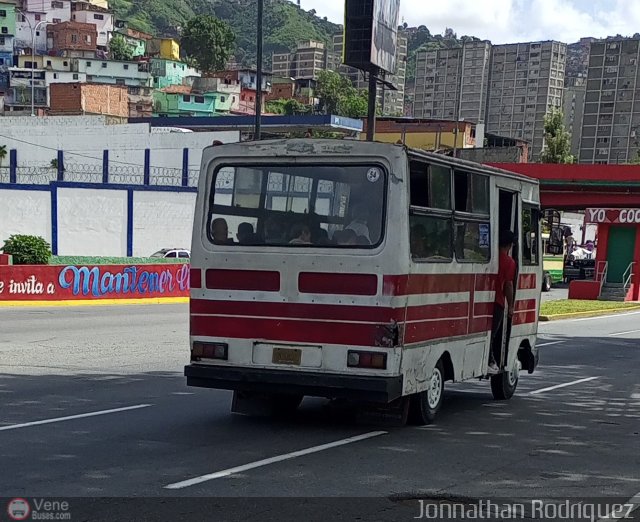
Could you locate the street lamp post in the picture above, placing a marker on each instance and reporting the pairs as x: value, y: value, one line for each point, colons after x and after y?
x: 259, y: 60
x: 33, y: 63
x: 34, y: 30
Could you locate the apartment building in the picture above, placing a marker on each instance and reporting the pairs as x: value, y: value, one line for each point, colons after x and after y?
x: 88, y: 13
x: 526, y: 83
x: 510, y: 87
x: 573, y: 107
x: 132, y: 74
x: 451, y: 84
x: 305, y: 63
x: 390, y: 100
x: 611, y: 120
x: 73, y: 39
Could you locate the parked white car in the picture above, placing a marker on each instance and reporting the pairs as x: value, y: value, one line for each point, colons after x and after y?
x: 173, y: 252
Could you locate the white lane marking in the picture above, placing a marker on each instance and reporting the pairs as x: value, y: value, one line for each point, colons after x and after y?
x: 623, y: 333
x: 72, y: 417
x: 272, y: 460
x: 625, y: 511
x: 549, y: 344
x: 603, y: 317
x: 579, y: 381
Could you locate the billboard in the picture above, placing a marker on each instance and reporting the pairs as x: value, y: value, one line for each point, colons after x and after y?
x: 371, y: 34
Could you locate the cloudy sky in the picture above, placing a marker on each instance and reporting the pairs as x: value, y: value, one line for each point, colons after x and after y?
x: 504, y: 21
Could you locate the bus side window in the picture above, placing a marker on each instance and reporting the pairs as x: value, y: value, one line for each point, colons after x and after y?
x: 430, y: 213
x: 530, y: 235
x: 431, y: 238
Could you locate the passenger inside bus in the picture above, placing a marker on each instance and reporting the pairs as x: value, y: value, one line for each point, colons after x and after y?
x: 220, y: 232
x: 301, y: 235
x: 246, y: 234
x: 359, y: 223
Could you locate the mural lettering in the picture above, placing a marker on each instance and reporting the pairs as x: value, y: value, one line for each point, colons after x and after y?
x: 49, y: 282
x: 30, y: 286
x: 131, y: 280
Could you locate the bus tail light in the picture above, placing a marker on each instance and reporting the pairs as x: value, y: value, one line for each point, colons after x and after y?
x: 209, y: 351
x: 195, y: 277
x: 373, y: 360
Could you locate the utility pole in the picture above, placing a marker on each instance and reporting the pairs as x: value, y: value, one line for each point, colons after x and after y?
x: 373, y: 94
x: 258, y: 130
x: 33, y: 56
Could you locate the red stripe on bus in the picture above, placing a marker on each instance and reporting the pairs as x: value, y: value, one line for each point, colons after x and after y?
x: 483, y: 309
x: 370, y: 314
x: 256, y: 280
x: 520, y: 318
x: 431, y: 330
x: 526, y: 305
x: 527, y: 282
x: 337, y: 284
x: 437, y: 311
x: 314, y: 332
x: 416, y: 284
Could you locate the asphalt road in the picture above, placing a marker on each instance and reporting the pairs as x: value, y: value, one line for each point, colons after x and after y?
x: 148, y: 431
x: 558, y: 291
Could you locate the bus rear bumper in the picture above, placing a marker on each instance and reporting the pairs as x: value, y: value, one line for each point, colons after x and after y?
x: 354, y: 387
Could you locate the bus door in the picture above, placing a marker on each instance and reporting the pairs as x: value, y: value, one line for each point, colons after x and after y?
x: 508, y: 220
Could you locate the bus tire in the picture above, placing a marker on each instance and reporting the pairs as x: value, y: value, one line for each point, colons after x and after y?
x: 504, y: 385
x: 426, y: 404
x: 546, y: 283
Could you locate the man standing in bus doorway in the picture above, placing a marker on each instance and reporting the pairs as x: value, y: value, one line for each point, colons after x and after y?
x: 504, y: 295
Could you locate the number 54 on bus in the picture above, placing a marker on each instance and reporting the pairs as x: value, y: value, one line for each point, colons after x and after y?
x: 359, y: 271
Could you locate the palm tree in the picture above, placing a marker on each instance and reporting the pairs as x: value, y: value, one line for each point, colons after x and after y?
x: 3, y: 153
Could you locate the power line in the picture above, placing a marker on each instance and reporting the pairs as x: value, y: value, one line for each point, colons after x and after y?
x: 80, y: 155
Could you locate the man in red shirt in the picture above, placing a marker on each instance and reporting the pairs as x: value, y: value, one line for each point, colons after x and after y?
x: 504, y: 297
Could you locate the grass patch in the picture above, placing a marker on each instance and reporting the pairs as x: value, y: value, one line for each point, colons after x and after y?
x: 570, y: 306
x: 95, y: 260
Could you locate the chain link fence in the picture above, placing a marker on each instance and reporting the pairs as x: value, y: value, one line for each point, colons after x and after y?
x: 93, y: 173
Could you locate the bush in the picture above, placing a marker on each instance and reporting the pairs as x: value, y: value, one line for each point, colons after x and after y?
x: 28, y: 250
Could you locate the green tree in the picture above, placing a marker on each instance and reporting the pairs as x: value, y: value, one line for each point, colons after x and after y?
x: 209, y: 42
x: 119, y: 49
x: 331, y: 89
x: 288, y: 107
x: 557, y: 148
x: 354, y: 105
x: 3, y: 153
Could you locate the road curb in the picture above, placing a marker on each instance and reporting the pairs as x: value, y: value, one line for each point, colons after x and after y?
x: 598, y: 313
x: 93, y: 302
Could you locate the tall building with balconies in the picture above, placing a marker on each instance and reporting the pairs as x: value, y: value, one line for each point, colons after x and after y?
x: 526, y: 83
x: 510, y: 88
x: 611, y: 120
x: 451, y: 84
x: 305, y: 63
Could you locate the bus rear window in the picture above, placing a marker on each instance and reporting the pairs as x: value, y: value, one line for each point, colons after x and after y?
x: 297, y: 206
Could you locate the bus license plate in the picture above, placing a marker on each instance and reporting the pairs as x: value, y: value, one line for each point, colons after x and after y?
x: 287, y: 356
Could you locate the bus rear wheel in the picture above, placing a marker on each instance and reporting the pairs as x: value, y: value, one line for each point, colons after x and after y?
x: 425, y: 405
x: 503, y: 385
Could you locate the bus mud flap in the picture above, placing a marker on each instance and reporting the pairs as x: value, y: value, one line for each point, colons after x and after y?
x: 395, y: 413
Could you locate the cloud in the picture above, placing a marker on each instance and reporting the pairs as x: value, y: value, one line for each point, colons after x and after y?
x: 504, y: 21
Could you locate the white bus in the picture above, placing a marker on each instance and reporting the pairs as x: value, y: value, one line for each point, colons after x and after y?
x: 356, y: 270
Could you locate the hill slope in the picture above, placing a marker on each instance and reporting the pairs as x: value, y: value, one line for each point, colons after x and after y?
x: 284, y: 24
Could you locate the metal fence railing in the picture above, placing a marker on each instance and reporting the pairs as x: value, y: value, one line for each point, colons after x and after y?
x: 94, y: 173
